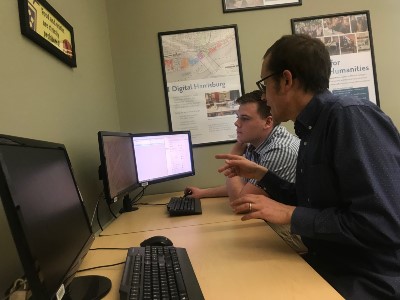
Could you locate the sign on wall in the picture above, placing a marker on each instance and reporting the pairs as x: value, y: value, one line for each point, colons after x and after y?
x: 202, y: 80
x: 348, y: 38
x: 41, y: 23
x: 244, y: 5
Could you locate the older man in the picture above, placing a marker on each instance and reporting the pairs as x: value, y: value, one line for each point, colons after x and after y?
x: 345, y: 202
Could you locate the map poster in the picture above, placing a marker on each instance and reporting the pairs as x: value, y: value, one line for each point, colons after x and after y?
x: 202, y: 79
x: 45, y: 26
x: 349, y: 42
x: 242, y: 5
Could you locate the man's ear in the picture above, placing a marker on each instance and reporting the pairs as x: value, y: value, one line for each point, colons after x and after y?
x: 288, y: 79
x: 269, y: 122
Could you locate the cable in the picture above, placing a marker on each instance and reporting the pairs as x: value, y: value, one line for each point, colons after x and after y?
x: 16, y: 285
x: 151, y: 204
x: 120, y: 263
x: 95, y: 209
x: 98, y: 267
x: 109, y: 208
x: 97, y: 214
x: 139, y: 195
x: 108, y: 204
x: 108, y: 249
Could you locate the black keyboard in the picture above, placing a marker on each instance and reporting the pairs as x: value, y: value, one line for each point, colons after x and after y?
x: 156, y: 272
x: 184, y: 206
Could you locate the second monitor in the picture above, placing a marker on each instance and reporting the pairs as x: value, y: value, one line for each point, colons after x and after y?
x: 162, y: 156
x: 132, y: 160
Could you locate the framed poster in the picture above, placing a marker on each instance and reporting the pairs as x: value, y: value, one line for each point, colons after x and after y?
x: 202, y: 76
x: 41, y: 23
x: 348, y: 38
x: 241, y: 5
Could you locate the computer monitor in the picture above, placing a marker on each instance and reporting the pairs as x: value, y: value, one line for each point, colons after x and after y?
x: 47, y: 218
x: 163, y: 156
x: 117, y: 165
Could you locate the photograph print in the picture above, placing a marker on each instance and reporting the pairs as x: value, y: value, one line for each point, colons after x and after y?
x: 348, y: 39
x: 243, y: 5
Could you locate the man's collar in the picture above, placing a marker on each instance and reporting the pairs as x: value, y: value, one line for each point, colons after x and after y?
x: 307, y: 118
x: 251, y: 148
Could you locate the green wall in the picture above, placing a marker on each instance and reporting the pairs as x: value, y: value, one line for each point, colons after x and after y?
x: 118, y: 86
x: 42, y: 98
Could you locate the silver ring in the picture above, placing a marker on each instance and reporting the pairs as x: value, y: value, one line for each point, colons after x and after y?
x: 250, y: 207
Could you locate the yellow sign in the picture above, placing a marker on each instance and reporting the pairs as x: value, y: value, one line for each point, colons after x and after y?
x: 47, y: 26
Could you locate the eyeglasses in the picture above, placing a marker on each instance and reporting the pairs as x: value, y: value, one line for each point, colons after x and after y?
x: 261, y: 84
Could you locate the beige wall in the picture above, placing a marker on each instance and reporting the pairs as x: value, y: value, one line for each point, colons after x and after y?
x: 119, y: 87
x: 42, y: 98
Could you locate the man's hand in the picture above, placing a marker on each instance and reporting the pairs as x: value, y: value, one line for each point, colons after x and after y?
x: 262, y: 207
x: 236, y: 165
x: 195, y: 192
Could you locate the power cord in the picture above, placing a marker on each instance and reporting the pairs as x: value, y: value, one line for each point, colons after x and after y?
x: 94, y: 212
x: 98, y: 267
x: 103, y: 266
x: 108, y: 249
x: 97, y: 211
x: 129, y: 203
x: 18, y: 291
x: 109, y: 208
x: 101, y: 196
x: 139, y: 195
x: 152, y: 204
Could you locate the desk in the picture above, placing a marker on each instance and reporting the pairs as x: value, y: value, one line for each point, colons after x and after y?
x: 154, y: 217
x: 232, y: 259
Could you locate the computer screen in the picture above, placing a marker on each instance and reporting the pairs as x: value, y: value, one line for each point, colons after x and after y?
x: 163, y: 156
x: 117, y: 168
x: 45, y: 211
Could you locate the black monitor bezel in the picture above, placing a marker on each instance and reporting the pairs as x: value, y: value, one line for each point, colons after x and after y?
x: 103, y: 170
x: 15, y: 222
x: 173, y: 177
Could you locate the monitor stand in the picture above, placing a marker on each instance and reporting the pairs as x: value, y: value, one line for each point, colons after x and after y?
x: 127, y: 205
x: 89, y: 287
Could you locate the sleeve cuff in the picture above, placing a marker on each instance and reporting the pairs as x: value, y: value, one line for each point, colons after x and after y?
x: 269, y: 179
x: 302, y: 222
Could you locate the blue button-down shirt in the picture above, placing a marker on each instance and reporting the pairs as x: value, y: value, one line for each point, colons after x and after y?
x: 347, y: 194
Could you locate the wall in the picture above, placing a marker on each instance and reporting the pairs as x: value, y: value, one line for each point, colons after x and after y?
x: 134, y: 26
x: 42, y: 98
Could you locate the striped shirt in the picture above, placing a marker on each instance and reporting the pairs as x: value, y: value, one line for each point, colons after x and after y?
x: 277, y: 153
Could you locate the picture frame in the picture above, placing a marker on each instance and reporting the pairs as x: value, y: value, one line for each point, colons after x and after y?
x: 244, y: 5
x: 348, y: 38
x: 41, y: 23
x: 202, y: 74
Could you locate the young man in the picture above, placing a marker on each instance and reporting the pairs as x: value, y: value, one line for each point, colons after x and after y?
x: 262, y: 140
x: 345, y: 203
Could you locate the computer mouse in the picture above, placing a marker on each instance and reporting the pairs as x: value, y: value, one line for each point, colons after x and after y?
x: 187, y: 192
x: 157, y: 240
